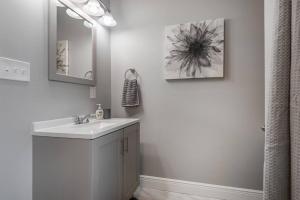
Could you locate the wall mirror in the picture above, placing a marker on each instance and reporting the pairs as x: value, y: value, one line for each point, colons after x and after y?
x: 72, y: 45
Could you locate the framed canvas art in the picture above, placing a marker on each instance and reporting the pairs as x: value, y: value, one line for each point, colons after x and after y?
x: 194, y: 50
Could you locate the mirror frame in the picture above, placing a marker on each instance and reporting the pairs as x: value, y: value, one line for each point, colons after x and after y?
x: 52, y: 42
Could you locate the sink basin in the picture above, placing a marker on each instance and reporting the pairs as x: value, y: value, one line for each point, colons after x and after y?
x: 67, y: 129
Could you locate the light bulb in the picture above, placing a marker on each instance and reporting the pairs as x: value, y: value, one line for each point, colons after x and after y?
x: 93, y: 8
x: 79, y: 1
x: 58, y: 4
x: 73, y: 14
x: 108, y: 20
x: 88, y: 24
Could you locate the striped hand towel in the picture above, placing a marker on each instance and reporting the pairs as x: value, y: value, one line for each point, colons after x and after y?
x: 130, y: 97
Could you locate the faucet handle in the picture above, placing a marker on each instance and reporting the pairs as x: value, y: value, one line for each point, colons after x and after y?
x: 77, y: 119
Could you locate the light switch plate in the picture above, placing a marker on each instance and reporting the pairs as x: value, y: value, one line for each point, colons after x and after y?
x: 93, y: 92
x: 16, y: 70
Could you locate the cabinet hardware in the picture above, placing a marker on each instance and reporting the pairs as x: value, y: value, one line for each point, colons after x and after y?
x: 126, y: 144
x: 122, y: 147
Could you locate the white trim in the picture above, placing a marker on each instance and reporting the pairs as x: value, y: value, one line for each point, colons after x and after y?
x: 200, y: 189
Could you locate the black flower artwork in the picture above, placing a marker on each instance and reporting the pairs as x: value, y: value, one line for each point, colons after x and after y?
x: 195, y: 46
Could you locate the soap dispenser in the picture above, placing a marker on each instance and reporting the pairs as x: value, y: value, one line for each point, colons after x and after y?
x: 99, y: 112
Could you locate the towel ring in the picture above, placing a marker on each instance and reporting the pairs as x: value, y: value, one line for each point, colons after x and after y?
x: 133, y: 71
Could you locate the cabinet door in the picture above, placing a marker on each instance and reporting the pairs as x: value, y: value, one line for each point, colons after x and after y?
x: 61, y: 168
x: 131, y: 160
x: 107, y: 167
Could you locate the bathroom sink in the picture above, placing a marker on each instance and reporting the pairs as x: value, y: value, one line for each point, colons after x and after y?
x: 91, y: 127
x: 67, y: 129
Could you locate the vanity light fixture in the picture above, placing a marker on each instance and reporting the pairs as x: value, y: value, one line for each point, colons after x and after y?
x: 58, y: 4
x: 93, y: 8
x: 96, y: 9
x: 79, y: 1
x: 73, y: 14
x: 88, y: 24
x: 108, y: 20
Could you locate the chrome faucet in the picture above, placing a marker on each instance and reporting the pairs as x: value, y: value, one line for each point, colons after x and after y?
x: 83, y: 120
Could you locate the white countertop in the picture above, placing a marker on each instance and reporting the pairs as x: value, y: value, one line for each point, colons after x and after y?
x: 65, y: 128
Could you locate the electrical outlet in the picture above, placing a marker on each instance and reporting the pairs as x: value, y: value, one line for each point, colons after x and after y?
x: 93, y: 92
x: 14, y: 70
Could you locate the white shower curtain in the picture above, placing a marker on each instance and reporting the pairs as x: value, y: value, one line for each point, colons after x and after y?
x: 282, y: 145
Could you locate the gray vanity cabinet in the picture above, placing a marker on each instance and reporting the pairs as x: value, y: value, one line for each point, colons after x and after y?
x: 131, y: 160
x: 106, y: 168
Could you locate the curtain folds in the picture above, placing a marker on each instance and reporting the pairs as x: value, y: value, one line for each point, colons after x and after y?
x: 282, y: 141
x: 295, y: 102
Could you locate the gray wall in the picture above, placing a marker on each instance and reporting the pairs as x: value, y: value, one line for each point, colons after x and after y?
x: 104, y: 68
x: 23, y: 36
x: 198, y: 130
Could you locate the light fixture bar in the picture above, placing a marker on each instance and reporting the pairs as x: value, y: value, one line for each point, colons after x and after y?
x: 103, y: 6
x: 75, y: 8
x: 106, y: 19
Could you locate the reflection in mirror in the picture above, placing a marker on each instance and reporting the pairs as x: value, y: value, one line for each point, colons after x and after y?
x: 74, y: 53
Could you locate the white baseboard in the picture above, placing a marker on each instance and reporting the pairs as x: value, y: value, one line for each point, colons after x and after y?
x: 199, y: 189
